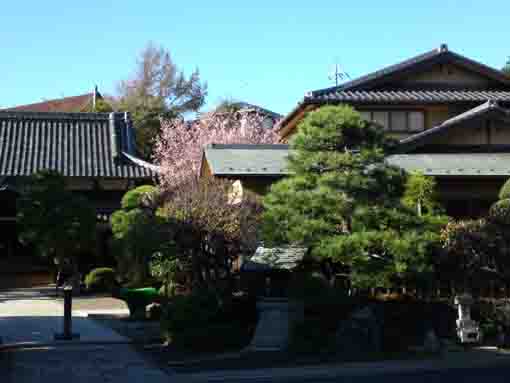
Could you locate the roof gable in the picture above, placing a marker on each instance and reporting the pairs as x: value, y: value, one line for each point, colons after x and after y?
x: 423, y: 63
x: 73, y: 104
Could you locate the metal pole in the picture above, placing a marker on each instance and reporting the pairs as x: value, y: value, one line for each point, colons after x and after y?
x: 68, y: 305
x: 68, y: 319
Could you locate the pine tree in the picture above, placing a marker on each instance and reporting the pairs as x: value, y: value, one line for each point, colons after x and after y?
x: 344, y: 203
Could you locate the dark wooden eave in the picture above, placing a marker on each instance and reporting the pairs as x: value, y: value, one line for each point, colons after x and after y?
x: 490, y: 109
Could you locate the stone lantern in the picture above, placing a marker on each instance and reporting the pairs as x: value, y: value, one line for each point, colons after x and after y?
x: 468, y: 330
x: 272, y: 266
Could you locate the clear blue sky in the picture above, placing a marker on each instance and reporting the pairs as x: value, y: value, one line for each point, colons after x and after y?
x: 263, y: 52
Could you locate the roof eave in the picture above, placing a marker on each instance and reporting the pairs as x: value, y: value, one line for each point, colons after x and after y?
x: 419, y: 139
x: 251, y: 174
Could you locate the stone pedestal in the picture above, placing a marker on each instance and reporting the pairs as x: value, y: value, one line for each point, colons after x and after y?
x: 272, y: 332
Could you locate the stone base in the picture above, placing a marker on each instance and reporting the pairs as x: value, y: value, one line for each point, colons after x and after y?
x: 272, y: 332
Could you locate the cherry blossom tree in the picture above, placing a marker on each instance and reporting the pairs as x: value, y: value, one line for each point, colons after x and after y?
x: 178, y: 148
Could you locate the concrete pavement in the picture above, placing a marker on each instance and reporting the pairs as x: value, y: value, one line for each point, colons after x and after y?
x: 33, y: 316
x: 79, y: 363
x: 28, y: 320
x: 465, y: 360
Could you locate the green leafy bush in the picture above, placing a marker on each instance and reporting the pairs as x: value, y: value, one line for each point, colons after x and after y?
x: 133, y: 198
x: 490, y: 315
x: 137, y: 234
x: 101, y: 279
x: 308, y: 287
x: 201, y: 322
x: 500, y: 212
x: 504, y: 192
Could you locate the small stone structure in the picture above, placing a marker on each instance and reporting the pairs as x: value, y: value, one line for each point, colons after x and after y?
x: 272, y: 266
x: 273, y: 329
x: 468, y: 330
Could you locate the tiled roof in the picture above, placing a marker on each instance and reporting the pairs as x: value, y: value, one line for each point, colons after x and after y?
x: 374, y: 88
x: 409, y: 96
x: 74, y: 144
x: 490, y: 108
x: 439, y: 55
x: 66, y: 104
x: 454, y: 164
x: 247, y: 160
x: 276, y: 258
x: 436, y: 164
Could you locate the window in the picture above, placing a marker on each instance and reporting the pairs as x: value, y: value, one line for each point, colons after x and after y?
x: 396, y: 120
x: 416, y: 121
x: 366, y: 115
x: 382, y: 118
x: 399, y: 121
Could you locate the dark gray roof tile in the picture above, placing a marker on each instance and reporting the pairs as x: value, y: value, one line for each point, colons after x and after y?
x: 409, y: 96
x: 75, y: 144
x: 247, y: 160
x: 454, y: 164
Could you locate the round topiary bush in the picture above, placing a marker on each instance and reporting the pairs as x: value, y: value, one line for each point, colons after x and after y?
x: 500, y: 212
x: 504, y: 192
x: 101, y: 279
x: 133, y: 198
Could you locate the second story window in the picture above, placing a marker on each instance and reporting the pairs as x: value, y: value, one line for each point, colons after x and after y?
x: 399, y: 121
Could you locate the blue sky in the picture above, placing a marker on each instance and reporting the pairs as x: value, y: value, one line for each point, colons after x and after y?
x: 263, y: 52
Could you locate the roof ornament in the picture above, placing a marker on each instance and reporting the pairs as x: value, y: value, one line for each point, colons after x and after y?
x: 443, y: 48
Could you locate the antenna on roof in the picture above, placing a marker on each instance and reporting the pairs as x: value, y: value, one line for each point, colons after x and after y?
x: 336, y: 74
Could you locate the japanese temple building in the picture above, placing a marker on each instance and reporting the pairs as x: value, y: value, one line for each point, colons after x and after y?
x: 96, y: 154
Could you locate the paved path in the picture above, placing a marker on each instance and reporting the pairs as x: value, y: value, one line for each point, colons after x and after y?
x: 452, y: 367
x: 113, y: 363
x: 32, y: 316
x: 35, y: 315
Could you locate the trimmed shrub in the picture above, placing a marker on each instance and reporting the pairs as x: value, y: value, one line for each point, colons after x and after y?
x: 133, y: 198
x: 504, y: 192
x: 201, y: 322
x: 500, y: 212
x: 101, y: 279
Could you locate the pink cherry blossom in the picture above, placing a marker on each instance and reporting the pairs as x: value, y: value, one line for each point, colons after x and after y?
x: 179, y: 147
